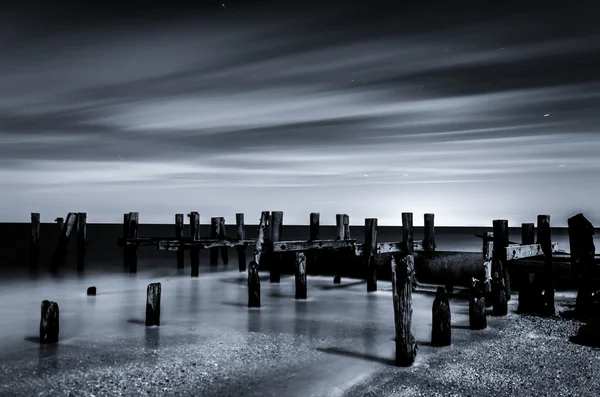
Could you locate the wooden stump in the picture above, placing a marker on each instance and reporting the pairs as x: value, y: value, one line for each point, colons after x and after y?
x: 153, y: 304
x: 429, y: 233
x: 408, y: 239
x: 195, y: 235
x: 132, y: 250
x: 477, y: 315
x: 34, y: 241
x: 60, y: 252
x: 253, y: 285
x: 223, y: 236
x: 49, y: 322
x: 91, y: 291
x: 369, y: 252
x: 487, y: 264
x: 339, y: 224
x: 300, y: 275
x: 406, y: 345
x: 241, y: 235
x: 215, y: 224
x: 125, y: 236
x: 545, y: 240
x: 311, y: 258
x: 440, y: 319
x: 81, y: 239
x: 179, y: 235
x: 499, y: 291
x: 581, y: 242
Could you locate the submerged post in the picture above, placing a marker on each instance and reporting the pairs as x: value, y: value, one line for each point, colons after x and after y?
x: 241, y: 235
x: 440, y: 319
x: 222, y: 236
x: 133, y: 233
x: 340, y: 232
x: 499, y: 299
x: 195, y: 236
x: 477, y: 316
x: 275, y: 258
x: 429, y: 233
x: 544, y: 238
x: 61, y: 245
x: 34, y: 241
x: 215, y: 224
x: 402, y: 275
x: 81, y: 239
x: 153, y: 304
x: 300, y: 275
x: 125, y: 236
x: 369, y: 252
x: 253, y: 277
x: 311, y: 259
x: 581, y: 242
x: 407, y: 237
x: 179, y: 235
x: 49, y: 322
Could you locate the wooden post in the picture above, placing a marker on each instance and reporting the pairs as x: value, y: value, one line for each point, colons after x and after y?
x: 153, y: 304
x: 275, y: 262
x: 61, y: 245
x: 340, y: 232
x: 408, y: 238
x: 581, y: 243
x: 49, y: 322
x: 34, y: 241
x: 215, y: 224
x: 369, y: 253
x: 300, y: 275
x: 311, y: 259
x: 179, y: 235
x: 253, y: 277
x: 241, y: 235
x: 488, y: 238
x: 195, y: 235
x: 81, y: 239
x: 429, y: 233
x: 440, y: 319
x: 477, y: 316
x: 223, y: 235
x: 346, y: 222
x: 499, y: 299
x: 133, y: 233
x: 91, y: 291
x: 544, y: 238
x: 529, y: 295
x: 402, y: 275
x: 60, y: 222
x: 125, y: 236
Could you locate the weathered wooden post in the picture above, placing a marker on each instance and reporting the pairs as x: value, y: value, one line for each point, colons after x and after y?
x: 581, y: 243
x: 440, y: 319
x: 195, y: 236
x: 429, y: 233
x: 339, y: 235
x: 81, y: 239
x: 369, y: 253
x: 488, y: 243
x: 61, y: 246
x: 544, y: 238
x: 300, y: 275
x: 60, y: 222
x: 153, y: 304
x: 49, y: 322
x: 408, y: 238
x: 477, y: 315
x: 311, y: 260
x: 275, y: 258
x: 241, y: 235
x: 179, y: 235
x: 402, y: 275
x: 215, y: 224
x: 253, y: 277
x: 133, y: 233
x: 499, y: 300
x: 125, y: 236
x: 530, y: 296
x: 223, y: 236
x: 346, y: 222
x: 91, y: 291
x: 34, y: 241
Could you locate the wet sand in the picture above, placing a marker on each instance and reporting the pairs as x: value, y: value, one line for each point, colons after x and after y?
x: 337, y: 343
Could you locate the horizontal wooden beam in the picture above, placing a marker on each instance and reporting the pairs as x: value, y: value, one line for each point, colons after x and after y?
x: 174, y: 245
x: 295, y: 246
x: 390, y: 248
x: 514, y: 252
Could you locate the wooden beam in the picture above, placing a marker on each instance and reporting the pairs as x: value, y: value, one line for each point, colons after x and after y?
x: 390, y: 247
x: 514, y: 252
x: 174, y: 245
x: 295, y: 246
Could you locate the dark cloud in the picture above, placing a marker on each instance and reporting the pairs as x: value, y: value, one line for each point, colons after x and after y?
x: 438, y: 109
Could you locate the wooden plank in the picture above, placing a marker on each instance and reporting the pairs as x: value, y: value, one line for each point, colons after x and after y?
x: 179, y: 235
x: 81, y: 239
x: 174, y: 245
x: 390, y: 247
x: 369, y: 252
x: 293, y: 246
x: 523, y: 251
x: 241, y: 235
x: 429, y: 233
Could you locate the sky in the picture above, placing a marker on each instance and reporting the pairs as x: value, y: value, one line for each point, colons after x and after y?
x: 472, y: 111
